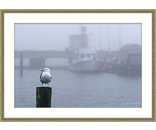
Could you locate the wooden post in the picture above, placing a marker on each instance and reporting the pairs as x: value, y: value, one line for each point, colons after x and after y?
x: 21, y: 64
x: 43, y: 96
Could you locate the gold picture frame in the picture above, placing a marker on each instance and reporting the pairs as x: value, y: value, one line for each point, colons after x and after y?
x: 73, y: 11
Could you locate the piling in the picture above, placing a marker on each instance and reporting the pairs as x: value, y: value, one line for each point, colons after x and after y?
x: 21, y: 64
x: 43, y: 96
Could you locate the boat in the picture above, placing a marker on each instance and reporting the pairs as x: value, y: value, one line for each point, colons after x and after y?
x: 84, y: 58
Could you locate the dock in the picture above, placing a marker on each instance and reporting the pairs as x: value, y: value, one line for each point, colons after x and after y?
x: 37, y: 58
x: 129, y: 56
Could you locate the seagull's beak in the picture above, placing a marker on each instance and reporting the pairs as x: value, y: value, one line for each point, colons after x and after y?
x: 42, y: 70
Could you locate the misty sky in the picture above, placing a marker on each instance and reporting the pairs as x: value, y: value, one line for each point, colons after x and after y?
x: 55, y: 36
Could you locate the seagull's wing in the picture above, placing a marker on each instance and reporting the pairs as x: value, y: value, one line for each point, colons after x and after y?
x: 41, y: 75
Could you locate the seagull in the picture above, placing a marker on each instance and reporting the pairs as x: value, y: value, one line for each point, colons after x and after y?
x: 45, y: 76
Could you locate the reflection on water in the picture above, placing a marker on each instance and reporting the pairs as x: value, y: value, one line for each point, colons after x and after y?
x: 76, y: 90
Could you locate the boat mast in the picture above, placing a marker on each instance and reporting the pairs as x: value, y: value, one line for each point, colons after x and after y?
x: 83, y: 29
x: 109, y: 51
x: 99, y: 37
x: 119, y: 36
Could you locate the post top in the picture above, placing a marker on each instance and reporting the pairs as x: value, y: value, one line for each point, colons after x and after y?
x: 44, y: 87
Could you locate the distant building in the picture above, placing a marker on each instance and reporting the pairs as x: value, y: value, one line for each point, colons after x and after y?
x: 130, y: 55
x: 78, y: 41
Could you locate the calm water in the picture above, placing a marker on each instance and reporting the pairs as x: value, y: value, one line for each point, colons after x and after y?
x: 74, y: 90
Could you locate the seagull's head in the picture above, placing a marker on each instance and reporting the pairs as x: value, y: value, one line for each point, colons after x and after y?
x: 45, y: 70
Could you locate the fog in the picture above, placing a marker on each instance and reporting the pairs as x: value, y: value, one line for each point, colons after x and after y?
x: 56, y: 37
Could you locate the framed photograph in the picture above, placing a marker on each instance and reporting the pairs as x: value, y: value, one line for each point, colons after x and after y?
x: 100, y: 65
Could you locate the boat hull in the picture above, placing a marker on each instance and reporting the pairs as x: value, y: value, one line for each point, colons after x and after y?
x: 88, y: 65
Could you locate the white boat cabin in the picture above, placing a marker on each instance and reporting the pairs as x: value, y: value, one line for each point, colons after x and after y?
x: 84, y: 54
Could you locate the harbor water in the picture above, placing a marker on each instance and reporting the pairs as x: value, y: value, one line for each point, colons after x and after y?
x: 80, y: 89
